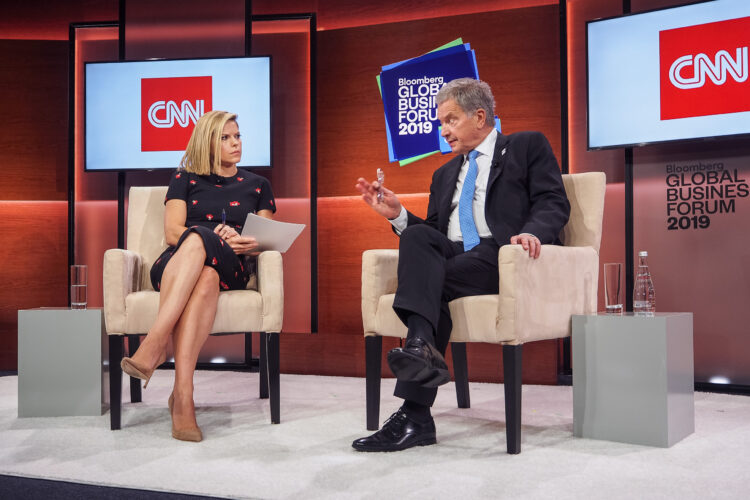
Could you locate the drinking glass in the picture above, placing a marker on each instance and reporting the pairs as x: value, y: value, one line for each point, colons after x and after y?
x: 613, y: 288
x: 78, y: 282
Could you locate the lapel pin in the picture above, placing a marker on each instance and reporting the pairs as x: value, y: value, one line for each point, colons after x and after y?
x: 503, y: 152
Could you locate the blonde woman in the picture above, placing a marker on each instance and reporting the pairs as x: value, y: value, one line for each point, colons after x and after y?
x: 206, y: 204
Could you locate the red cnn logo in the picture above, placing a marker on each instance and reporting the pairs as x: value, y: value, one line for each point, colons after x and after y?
x: 704, y: 69
x: 169, y: 109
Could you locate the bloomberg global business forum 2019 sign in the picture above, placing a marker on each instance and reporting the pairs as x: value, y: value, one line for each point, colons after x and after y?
x: 408, y: 89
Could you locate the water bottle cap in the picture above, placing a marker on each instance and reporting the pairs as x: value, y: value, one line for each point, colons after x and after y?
x: 643, y: 253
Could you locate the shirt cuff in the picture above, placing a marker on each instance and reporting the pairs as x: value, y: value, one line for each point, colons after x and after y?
x: 400, y: 222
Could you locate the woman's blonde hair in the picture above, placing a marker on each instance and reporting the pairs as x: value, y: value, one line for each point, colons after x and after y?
x: 203, y: 153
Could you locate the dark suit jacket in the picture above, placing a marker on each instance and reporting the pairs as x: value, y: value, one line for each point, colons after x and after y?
x: 525, y: 193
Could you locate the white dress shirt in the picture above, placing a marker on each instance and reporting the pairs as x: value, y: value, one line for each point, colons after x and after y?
x: 486, y: 149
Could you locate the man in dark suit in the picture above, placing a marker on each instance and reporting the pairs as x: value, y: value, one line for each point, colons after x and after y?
x: 499, y: 190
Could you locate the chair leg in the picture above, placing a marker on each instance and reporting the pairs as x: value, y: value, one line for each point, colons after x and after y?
x: 461, y: 373
x: 134, y: 342
x: 263, y: 365
x: 373, y: 356
x: 512, y: 383
x: 116, y: 349
x: 273, y: 375
x: 249, y: 350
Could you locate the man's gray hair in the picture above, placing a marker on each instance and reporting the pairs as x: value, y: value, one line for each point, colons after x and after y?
x: 470, y: 95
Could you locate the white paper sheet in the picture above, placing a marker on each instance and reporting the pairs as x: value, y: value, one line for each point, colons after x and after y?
x: 271, y: 234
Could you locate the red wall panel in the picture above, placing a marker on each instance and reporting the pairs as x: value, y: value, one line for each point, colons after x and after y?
x: 50, y: 20
x: 518, y: 42
x: 338, y: 14
x: 34, y: 254
x: 517, y: 54
x: 33, y: 131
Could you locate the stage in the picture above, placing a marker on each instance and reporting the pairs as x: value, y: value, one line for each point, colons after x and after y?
x: 309, y: 455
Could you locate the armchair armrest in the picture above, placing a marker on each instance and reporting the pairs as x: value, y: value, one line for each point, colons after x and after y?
x: 122, y: 276
x: 378, y: 278
x: 538, y: 296
x: 271, y: 289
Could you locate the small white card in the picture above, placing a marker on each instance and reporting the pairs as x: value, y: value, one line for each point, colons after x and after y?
x: 271, y: 234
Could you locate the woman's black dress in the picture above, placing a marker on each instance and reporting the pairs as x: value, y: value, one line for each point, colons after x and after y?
x: 206, y: 196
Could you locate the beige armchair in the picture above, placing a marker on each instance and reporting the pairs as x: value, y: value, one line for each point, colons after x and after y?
x: 131, y: 304
x: 536, y: 300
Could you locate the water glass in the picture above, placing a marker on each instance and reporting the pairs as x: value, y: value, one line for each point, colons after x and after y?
x: 613, y: 288
x: 78, y: 282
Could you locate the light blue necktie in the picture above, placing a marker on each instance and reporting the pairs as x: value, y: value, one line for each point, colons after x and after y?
x: 466, y: 205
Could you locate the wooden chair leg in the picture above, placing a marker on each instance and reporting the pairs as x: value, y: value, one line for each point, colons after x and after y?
x: 263, y: 365
x: 116, y: 349
x: 134, y: 342
x: 273, y: 375
x: 512, y: 383
x: 373, y: 356
x: 461, y: 374
x: 249, y: 350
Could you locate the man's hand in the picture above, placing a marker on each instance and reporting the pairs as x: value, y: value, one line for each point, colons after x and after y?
x: 529, y: 242
x: 389, y: 208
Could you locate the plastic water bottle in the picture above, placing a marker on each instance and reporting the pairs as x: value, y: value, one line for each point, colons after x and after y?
x: 644, y: 298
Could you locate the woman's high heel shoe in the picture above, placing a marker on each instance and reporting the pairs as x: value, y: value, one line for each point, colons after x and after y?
x: 193, y: 434
x: 132, y: 369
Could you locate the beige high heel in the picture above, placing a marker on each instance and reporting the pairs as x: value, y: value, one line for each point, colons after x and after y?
x: 132, y: 369
x: 193, y: 434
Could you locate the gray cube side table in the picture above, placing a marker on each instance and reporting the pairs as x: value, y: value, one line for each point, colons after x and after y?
x: 62, y: 363
x: 633, y: 378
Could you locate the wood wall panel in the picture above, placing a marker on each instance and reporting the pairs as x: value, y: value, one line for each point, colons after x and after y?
x: 344, y: 355
x: 338, y: 14
x: 50, y: 20
x: 346, y: 228
x: 517, y: 54
x: 290, y: 109
x: 609, y: 161
x: 34, y: 254
x: 179, y: 28
x: 33, y: 131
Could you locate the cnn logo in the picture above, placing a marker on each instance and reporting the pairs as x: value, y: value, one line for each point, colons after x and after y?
x: 170, y: 107
x: 704, y: 69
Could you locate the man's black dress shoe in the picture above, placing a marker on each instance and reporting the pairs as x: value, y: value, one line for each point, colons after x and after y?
x: 398, y: 433
x: 418, y: 361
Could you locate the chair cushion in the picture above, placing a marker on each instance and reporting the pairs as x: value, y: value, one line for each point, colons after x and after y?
x: 475, y: 320
x: 387, y: 322
x: 237, y: 311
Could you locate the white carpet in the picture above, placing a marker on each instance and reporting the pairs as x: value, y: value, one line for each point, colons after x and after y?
x: 309, y: 455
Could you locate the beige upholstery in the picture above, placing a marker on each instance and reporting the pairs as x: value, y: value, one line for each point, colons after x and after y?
x: 536, y: 296
x: 130, y: 302
x: 536, y: 300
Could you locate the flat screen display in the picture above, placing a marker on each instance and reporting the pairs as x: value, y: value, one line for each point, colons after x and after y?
x: 140, y: 114
x: 666, y: 75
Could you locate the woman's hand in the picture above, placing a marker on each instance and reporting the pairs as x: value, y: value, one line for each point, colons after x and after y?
x: 242, y: 245
x: 225, y: 232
